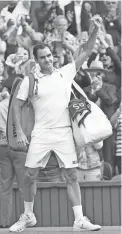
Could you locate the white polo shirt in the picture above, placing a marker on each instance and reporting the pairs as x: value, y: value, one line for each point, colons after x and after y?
x: 51, y: 103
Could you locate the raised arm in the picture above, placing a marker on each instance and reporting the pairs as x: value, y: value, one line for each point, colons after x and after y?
x: 87, y: 49
x: 35, y: 36
x: 12, y: 37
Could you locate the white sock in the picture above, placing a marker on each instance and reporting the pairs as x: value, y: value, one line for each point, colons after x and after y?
x: 28, y: 207
x: 78, y: 212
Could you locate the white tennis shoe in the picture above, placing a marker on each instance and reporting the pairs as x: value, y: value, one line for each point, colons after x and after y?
x: 25, y: 220
x: 85, y: 224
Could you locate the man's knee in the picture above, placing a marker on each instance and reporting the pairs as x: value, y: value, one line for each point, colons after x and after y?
x: 30, y: 176
x: 70, y: 175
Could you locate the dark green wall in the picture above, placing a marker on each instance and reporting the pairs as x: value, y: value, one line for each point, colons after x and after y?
x: 101, y: 203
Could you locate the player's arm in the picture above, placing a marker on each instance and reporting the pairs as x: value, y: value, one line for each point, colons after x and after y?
x: 17, y: 108
x: 88, y: 47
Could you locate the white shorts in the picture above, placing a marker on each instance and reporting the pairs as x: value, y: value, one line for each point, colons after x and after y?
x: 60, y: 140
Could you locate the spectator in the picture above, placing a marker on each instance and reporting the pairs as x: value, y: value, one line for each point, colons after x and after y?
x: 20, y: 62
x: 12, y: 11
x: 89, y: 168
x: 78, y: 14
x: 109, y: 93
x: 112, y: 22
x: 112, y: 78
x: 116, y: 121
x: 1, y: 71
x: 11, y: 164
x: 27, y: 37
x: 96, y: 73
x: 3, y: 155
x: 60, y: 33
x: 61, y: 41
x: 46, y: 15
x: 3, y: 27
x: 15, y: 8
x: 98, y: 45
x: 107, y: 171
x: 107, y: 37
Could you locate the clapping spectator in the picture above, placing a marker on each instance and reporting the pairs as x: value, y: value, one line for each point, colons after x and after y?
x: 27, y: 37
x: 61, y: 41
x: 11, y: 12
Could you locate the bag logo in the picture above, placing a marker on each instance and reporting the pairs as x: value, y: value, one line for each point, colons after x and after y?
x: 79, y: 106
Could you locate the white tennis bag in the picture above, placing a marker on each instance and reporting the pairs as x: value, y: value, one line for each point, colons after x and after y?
x: 90, y: 125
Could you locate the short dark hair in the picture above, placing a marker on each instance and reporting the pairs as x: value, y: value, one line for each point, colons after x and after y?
x: 37, y: 47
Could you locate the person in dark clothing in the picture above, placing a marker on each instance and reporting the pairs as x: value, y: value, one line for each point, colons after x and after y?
x: 112, y: 22
x: 79, y: 23
x: 46, y: 15
x: 109, y: 93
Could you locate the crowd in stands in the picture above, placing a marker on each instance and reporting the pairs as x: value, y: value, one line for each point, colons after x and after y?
x: 66, y: 29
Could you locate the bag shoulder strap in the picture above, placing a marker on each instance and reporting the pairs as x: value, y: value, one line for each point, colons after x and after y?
x: 79, y: 89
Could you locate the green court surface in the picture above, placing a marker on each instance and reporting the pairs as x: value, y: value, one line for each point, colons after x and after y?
x: 65, y: 230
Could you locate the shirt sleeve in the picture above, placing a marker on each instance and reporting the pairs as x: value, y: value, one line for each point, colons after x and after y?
x: 23, y: 90
x: 69, y: 71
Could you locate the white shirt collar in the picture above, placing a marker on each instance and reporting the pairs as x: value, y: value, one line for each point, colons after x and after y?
x: 38, y: 74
